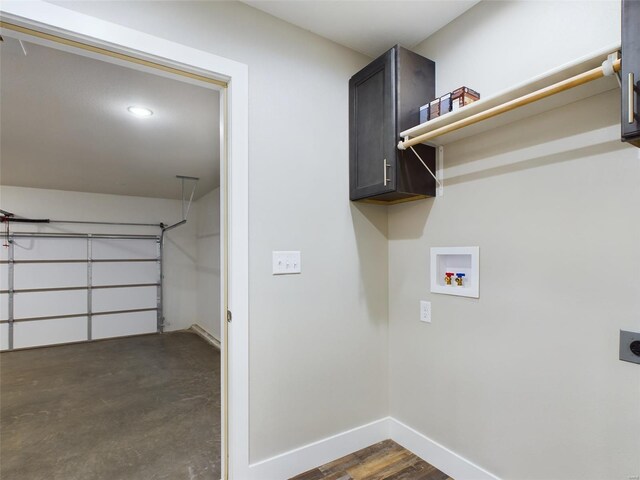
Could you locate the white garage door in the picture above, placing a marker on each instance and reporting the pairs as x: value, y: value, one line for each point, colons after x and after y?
x: 70, y: 288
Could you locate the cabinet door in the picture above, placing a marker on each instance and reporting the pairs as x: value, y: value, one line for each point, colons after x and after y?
x: 372, y: 123
x: 631, y: 71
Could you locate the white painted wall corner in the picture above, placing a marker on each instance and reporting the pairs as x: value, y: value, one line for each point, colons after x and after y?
x: 331, y: 448
x: 437, y: 455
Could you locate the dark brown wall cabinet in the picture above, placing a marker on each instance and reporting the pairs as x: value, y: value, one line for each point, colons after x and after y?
x: 631, y: 71
x: 384, y: 100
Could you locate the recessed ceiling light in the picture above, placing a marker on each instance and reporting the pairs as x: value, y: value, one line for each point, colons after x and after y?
x: 139, y: 111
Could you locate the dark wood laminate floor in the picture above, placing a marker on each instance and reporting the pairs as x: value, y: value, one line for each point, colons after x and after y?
x: 383, y: 461
x: 137, y: 408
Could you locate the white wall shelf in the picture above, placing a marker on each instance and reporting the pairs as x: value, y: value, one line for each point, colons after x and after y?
x: 546, y: 79
x: 455, y: 260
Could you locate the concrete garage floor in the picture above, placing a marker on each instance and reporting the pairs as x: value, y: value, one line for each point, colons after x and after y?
x: 138, y: 408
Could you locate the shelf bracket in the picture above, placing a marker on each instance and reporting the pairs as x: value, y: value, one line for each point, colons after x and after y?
x: 608, y: 68
x: 439, y: 165
x: 427, y: 167
x: 440, y: 171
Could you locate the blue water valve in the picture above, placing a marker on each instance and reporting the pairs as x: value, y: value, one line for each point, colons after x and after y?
x: 459, y: 279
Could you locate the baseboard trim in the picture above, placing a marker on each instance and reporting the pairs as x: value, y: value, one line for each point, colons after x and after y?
x: 206, y: 336
x: 318, y: 453
x: 437, y: 455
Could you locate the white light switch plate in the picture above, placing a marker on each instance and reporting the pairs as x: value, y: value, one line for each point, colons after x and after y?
x: 286, y: 263
x: 425, y: 311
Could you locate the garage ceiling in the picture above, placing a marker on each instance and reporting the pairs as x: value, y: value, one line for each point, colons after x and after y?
x: 64, y: 125
x: 369, y: 27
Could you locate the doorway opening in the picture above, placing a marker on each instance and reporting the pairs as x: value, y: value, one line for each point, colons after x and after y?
x: 114, y: 283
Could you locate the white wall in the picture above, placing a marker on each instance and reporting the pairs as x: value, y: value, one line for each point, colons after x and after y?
x: 318, y: 341
x: 525, y: 381
x: 180, y: 245
x: 208, y: 262
x: 498, y: 44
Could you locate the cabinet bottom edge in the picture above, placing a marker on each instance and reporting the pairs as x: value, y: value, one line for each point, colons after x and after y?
x: 377, y: 201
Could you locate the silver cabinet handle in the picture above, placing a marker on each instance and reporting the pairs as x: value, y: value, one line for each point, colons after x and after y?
x: 385, y: 166
x: 632, y: 113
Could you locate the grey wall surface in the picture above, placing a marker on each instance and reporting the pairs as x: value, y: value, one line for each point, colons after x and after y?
x: 525, y: 381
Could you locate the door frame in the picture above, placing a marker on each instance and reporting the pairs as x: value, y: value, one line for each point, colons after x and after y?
x: 165, y: 55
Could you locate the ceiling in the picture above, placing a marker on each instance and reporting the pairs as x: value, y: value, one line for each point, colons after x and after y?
x: 369, y: 27
x: 64, y: 125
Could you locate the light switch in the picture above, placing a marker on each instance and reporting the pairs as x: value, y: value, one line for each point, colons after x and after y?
x: 286, y: 263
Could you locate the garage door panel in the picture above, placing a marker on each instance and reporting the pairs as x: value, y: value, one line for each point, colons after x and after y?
x: 4, y: 336
x: 109, y: 299
x: 50, y: 275
x: 4, y: 277
x: 124, y: 273
x: 4, y: 306
x: 48, y: 304
x: 50, y: 248
x: 61, y: 263
x: 105, y: 326
x: 49, y: 332
x: 123, y: 248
